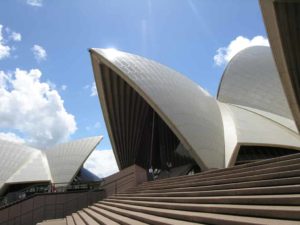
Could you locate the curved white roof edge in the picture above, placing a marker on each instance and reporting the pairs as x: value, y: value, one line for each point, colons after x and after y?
x: 184, y: 107
x: 251, y: 79
x: 288, y: 123
x: 244, y: 127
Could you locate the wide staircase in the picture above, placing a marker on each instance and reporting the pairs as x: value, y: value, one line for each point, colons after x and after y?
x: 263, y: 192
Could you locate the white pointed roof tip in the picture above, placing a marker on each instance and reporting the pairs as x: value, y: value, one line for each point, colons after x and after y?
x: 108, y: 53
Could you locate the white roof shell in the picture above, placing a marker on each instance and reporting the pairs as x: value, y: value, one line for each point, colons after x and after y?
x: 184, y: 106
x: 66, y: 159
x: 251, y: 80
x: 22, y: 164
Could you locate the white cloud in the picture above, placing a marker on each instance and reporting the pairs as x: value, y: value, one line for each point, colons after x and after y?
x: 102, y: 163
x: 11, y: 137
x: 4, y: 49
x: 30, y: 107
x: 225, y: 54
x: 15, y: 36
x: 37, y: 3
x: 94, y: 90
x: 39, y: 53
x: 64, y: 87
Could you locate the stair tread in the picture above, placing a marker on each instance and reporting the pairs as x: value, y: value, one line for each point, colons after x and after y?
x: 260, y: 183
x: 198, y: 183
x: 70, y: 220
x: 77, y: 219
x: 251, y: 207
x: 53, y: 222
x: 148, y: 217
x: 263, y: 198
x: 87, y: 218
x: 116, y: 217
x: 283, y: 212
x: 235, y: 191
x: 100, y: 217
x: 198, y: 177
x: 201, y: 216
x: 264, y: 192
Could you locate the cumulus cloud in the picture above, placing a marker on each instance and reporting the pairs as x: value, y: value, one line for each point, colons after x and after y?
x: 32, y: 108
x: 102, y: 163
x: 15, y: 36
x: 4, y: 49
x: 225, y: 54
x: 39, y: 53
x: 36, y: 3
x: 94, y: 90
x: 8, y: 136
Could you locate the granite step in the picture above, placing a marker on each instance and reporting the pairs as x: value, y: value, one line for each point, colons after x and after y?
x: 278, y: 212
x: 196, y: 217
x: 287, y: 200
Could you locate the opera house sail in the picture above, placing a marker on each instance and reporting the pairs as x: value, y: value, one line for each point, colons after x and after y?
x: 158, y: 118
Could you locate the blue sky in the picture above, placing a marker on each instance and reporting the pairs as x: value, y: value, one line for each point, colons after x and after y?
x: 184, y: 35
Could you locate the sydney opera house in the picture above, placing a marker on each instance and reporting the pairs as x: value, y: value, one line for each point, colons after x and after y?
x: 185, y: 157
x: 158, y: 118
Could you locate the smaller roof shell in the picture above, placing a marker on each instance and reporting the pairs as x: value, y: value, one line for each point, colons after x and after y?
x: 23, y: 164
x: 66, y: 159
x: 251, y: 79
